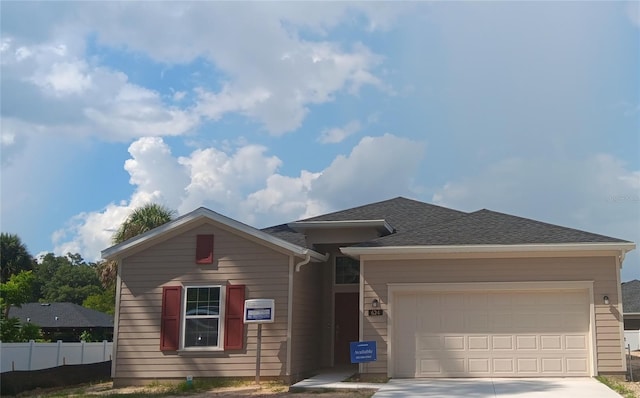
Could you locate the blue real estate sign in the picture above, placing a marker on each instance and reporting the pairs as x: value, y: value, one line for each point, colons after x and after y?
x: 363, y: 351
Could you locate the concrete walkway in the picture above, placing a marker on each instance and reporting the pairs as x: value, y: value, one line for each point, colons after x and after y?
x: 578, y: 387
x: 333, y: 379
x: 574, y: 387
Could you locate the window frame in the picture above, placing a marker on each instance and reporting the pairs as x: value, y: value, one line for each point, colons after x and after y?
x: 335, y: 272
x: 220, y: 317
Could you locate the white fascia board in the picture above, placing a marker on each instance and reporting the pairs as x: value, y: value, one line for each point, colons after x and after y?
x: 558, y: 247
x: 203, y: 213
x: 305, y: 225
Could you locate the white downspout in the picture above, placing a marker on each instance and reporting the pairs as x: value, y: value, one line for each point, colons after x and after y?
x: 307, y: 258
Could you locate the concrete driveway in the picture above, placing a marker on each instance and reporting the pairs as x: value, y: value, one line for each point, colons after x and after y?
x: 491, y: 388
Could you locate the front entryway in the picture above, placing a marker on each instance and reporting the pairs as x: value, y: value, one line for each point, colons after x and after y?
x: 346, y: 326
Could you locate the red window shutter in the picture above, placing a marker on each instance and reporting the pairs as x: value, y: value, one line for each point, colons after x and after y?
x: 233, y: 319
x: 204, y: 249
x: 170, y: 323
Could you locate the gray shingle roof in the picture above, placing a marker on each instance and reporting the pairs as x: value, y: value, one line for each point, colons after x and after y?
x: 401, y: 213
x: 631, y: 297
x: 422, y: 224
x: 68, y: 314
x: 486, y: 227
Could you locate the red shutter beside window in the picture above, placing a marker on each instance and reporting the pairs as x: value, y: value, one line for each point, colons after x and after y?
x: 170, y: 323
x: 204, y: 249
x: 233, y: 319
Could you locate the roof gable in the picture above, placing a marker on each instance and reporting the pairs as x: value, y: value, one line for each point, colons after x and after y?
x: 631, y: 297
x: 61, y: 315
x: 193, y: 219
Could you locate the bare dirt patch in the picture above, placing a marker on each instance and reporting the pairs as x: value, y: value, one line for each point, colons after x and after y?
x: 165, y: 391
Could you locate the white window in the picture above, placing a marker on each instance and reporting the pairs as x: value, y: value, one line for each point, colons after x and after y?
x: 202, y: 311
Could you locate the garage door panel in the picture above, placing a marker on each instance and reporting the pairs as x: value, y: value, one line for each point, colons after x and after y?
x: 577, y: 365
x: 502, y: 366
x: 500, y: 343
x: 576, y: 342
x: 527, y: 365
x: 526, y: 342
x: 478, y: 343
x: 454, y: 343
x: 551, y: 365
x: 480, y: 334
x: 551, y: 342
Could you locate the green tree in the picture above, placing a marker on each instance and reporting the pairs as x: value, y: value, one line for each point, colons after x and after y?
x: 14, y: 256
x: 44, y: 272
x: 16, y: 291
x: 142, y: 219
x: 73, y: 281
x: 103, y: 302
x: 12, y: 331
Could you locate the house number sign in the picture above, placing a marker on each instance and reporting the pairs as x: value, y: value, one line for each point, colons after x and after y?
x: 375, y: 312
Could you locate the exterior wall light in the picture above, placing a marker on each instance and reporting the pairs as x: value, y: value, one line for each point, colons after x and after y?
x: 606, y: 299
x: 375, y: 303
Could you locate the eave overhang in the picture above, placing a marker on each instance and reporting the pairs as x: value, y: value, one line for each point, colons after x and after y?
x: 379, y: 225
x: 620, y: 247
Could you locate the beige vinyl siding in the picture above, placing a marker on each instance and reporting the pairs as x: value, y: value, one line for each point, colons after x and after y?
x: 307, y: 307
x: 236, y: 261
x: 601, y: 270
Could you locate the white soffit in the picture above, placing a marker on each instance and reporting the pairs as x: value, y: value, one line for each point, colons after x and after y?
x: 381, y: 225
x: 356, y: 251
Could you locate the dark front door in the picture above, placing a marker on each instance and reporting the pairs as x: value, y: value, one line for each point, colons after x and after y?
x: 346, y: 326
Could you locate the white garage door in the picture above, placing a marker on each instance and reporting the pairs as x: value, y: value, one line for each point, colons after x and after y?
x: 500, y: 333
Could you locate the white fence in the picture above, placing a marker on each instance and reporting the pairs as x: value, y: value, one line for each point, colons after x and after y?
x: 632, y: 338
x: 33, y: 356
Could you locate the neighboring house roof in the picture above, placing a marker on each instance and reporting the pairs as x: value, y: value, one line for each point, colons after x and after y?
x: 631, y: 297
x: 61, y: 315
x: 201, y: 215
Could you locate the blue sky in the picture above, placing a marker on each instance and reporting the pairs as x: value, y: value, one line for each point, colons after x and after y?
x: 270, y: 112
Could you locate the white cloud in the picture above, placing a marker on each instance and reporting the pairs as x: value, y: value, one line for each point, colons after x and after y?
x: 338, y: 134
x: 179, y: 95
x: 308, y: 73
x: 221, y: 179
x: 283, y: 199
x: 633, y: 12
x: 244, y: 183
x: 49, y: 88
x: 64, y: 78
x: 271, y: 72
x: 376, y: 168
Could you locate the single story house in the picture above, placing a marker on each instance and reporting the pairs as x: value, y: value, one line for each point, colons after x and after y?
x: 443, y: 293
x: 631, y: 304
x: 65, y: 321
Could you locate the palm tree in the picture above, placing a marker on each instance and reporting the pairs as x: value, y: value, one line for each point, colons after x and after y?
x: 142, y: 219
x: 14, y: 256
